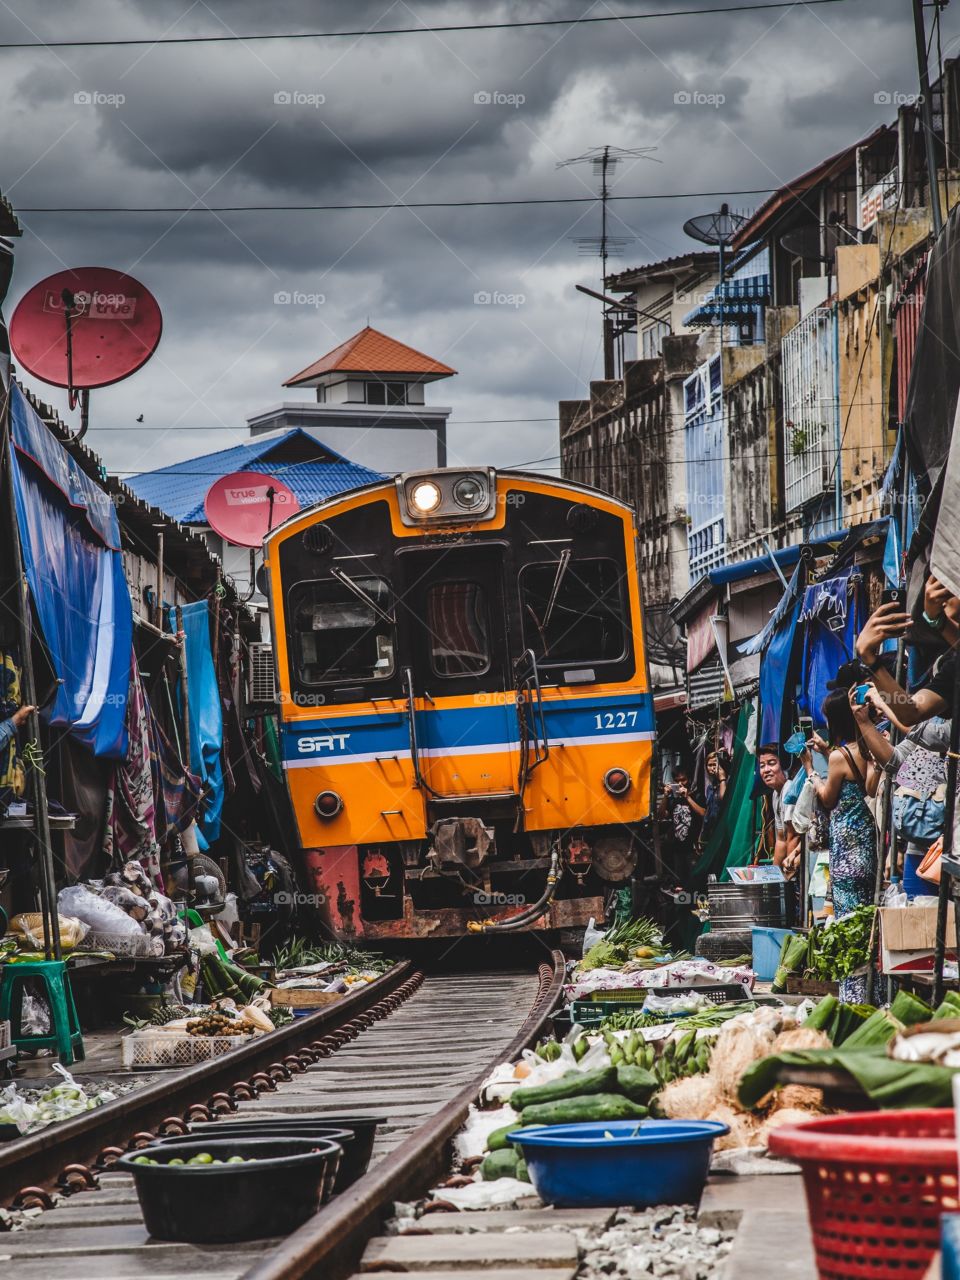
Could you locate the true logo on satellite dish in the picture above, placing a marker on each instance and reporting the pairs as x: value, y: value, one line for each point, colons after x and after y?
x: 249, y: 497
x: 98, y: 306
x: 244, y: 506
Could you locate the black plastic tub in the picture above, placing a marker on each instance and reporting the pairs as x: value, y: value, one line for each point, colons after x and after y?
x: 334, y: 1181
x: 279, y: 1188
x: 356, y: 1154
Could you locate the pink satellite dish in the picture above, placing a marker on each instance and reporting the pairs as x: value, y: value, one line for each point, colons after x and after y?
x: 85, y: 328
x: 244, y: 506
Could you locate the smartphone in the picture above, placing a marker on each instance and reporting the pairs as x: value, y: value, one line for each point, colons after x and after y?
x: 860, y: 694
x: 805, y: 725
x: 894, y: 595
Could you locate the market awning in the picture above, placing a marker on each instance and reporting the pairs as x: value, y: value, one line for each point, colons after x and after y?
x: 737, y: 299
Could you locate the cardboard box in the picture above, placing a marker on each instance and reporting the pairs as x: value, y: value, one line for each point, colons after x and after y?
x: 908, y: 938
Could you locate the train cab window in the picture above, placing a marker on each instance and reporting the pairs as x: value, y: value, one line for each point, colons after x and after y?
x: 340, y: 631
x: 573, y: 611
x: 457, y: 630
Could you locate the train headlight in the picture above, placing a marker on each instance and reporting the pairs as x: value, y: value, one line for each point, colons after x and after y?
x: 617, y: 781
x: 469, y: 492
x: 425, y: 497
x: 327, y: 805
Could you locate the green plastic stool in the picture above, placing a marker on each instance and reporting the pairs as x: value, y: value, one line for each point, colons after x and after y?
x: 66, y: 1037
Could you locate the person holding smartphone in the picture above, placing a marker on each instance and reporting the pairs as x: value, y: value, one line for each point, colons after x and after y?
x: 9, y: 727
x: 851, y: 778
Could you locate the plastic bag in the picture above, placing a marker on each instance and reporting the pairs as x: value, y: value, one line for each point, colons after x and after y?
x: 30, y: 925
x: 471, y: 1140
x: 101, y: 916
x: 894, y: 896
x: 592, y: 935
x: 35, y: 1017
x: 675, y: 1006
x: 804, y: 811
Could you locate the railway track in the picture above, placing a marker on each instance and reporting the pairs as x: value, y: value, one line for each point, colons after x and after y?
x: 409, y: 1047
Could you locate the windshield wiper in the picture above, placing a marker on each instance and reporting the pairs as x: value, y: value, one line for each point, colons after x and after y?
x: 555, y: 589
x: 358, y: 591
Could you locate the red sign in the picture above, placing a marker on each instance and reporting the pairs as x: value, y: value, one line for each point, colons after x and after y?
x: 243, y: 507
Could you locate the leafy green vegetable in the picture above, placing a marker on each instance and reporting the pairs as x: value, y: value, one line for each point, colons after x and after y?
x: 616, y: 946
x: 910, y: 1009
x: 838, y: 950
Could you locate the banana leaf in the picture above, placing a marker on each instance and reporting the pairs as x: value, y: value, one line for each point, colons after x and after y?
x: 823, y: 1016
x: 889, y: 1084
x: 910, y: 1009
x: 849, y: 1018
x: 793, y: 955
x: 876, y: 1032
x: 950, y: 1008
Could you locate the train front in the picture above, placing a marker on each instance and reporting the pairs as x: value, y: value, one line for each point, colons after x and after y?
x: 466, y: 721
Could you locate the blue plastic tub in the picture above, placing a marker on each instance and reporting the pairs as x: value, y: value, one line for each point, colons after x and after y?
x: 766, y: 950
x: 622, y: 1162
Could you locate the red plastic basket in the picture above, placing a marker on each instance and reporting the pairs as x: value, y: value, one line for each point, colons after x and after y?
x: 876, y: 1183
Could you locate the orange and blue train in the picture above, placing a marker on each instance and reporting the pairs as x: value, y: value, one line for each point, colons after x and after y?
x: 466, y: 719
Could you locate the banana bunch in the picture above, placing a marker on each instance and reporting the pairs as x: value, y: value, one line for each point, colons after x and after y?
x: 683, y: 1055
x: 631, y: 1051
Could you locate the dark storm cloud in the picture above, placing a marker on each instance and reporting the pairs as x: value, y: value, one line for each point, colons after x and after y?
x: 729, y: 101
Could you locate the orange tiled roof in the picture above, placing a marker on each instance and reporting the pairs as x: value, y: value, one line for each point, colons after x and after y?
x: 372, y: 352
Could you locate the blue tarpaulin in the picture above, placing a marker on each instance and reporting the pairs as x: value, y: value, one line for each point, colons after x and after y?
x: 71, y: 553
x: 206, y: 715
x: 777, y: 678
x: 830, y: 612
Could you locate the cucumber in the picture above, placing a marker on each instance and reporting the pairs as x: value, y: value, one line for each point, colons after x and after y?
x: 497, y: 1140
x: 586, y: 1107
x: 570, y: 1085
x: 500, y: 1164
x: 636, y: 1083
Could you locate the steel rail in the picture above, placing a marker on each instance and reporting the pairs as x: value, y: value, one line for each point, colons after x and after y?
x: 331, y: 1243
x: 68, y: 1155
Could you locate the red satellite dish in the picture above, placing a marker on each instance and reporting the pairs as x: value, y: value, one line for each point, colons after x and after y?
x: 85, y: 328
x: 244, y: 506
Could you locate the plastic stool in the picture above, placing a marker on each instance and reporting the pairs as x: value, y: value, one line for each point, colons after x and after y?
x: 65, y: 1034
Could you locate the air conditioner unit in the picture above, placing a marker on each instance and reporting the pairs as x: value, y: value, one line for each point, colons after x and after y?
x: 261, y: 674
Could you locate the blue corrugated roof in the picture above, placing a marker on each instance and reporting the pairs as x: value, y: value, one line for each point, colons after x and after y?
x: 179, y: 490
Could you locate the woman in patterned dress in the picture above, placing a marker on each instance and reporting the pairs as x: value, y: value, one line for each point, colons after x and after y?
x: 851, y: 778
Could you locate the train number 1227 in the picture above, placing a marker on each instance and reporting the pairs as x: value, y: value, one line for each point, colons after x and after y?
x: 616, y: 719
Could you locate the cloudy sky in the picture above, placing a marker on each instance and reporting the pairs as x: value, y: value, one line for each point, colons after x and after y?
x: 377, y: 119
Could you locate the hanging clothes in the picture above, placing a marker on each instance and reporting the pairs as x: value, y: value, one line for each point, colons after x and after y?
x: 70, y: 539
x: 13, y: 778
x: 176, y: 792
x: 205, y: 715
x: 82, y: 787
x: 830, y: 610
x: 734, y: 836
x: 130, y: 831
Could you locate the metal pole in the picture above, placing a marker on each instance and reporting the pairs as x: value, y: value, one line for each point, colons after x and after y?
x: 926, y: 116
x: 159, y: 529
x: 41, y: 814
x: 948, y: 867
x: 185, y: 700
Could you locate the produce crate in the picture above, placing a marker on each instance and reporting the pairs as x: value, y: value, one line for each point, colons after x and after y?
x: 624, y: 995
x: 154, y: 1048
x: 723, y: 993
x: 590, y: 1013
x: 812, y: 987
x: 302, y: 997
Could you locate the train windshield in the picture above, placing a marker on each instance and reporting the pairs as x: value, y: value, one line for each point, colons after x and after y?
x: 342, y: 630
x: 573, y: 611
x: 457, y: 629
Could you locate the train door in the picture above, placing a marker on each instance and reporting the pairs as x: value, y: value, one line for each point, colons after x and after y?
x: 464, y: 716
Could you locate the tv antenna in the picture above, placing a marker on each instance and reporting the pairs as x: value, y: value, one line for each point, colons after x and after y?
x: 717, y: 229
x: 604, y: 162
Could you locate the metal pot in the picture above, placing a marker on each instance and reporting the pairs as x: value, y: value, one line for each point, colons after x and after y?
x: 741, y: 906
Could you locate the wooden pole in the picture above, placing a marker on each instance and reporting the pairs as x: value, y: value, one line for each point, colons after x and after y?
x: 41, y: 813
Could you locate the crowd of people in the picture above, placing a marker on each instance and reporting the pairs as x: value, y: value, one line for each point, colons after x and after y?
x: 876, y: 764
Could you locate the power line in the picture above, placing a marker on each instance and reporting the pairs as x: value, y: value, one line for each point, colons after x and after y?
x: 445, y: 29
x: 390, y: 204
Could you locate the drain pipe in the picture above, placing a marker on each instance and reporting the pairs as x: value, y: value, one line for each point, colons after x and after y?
x: 530, y: 913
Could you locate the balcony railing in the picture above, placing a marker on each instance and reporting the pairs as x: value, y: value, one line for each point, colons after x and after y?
x: 809, y: 366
